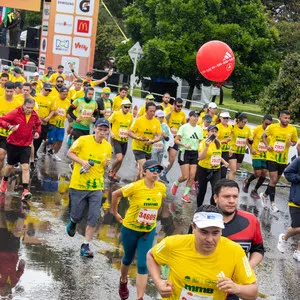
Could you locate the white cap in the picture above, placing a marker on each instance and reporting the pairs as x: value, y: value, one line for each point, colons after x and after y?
x: 159, y: 113
x: 212, y: 105
x: 126, y: 102
x: 36, y: 74
x: 224, y: 114
x: 208, y: 219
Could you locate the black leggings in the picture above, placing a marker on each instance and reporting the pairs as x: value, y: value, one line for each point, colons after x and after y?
x: 225, y: 156
x: 205, y: 176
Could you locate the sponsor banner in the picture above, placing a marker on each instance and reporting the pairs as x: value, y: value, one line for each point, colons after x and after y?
x: 62, y: 44
x: 42, y: 63
x: 46, y: 12
x: 65, y: 6
x: 83, y: 26
x: 70, y: 63
x: 81, y: 47
x: 63, y: 24
x: 45, y: 27
x: 34, y: 5
x: 85, y: 7
x: 44, y: 45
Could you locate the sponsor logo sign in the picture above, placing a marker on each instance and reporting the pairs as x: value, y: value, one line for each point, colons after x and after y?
x: 45, y: 26
x: 44, y: 45
x: 81, y: 47
x: 85, y: 7
x: 46, y: 11
x: 62, y: 44
x: 69, y: 62
x: 83, y: 26
x: 42, y: 62
x: 63, y: 24
x: 65, y: 6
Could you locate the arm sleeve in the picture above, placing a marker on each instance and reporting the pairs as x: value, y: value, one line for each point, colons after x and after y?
x: 70, y: 112
x: 291, y: 173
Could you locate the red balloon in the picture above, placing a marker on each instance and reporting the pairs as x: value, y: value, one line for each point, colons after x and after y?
x: 215, y: 61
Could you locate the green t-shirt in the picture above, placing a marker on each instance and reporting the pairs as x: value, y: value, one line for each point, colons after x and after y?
x: 85, y: 110
x: 190, y: 135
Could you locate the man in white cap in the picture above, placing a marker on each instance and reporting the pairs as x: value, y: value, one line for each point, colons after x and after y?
x: 212, y: 111
x: 121, y: 121
x: 212, y: 264
x: 36, y: 83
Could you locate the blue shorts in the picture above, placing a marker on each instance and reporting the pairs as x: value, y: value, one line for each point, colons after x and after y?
x: 55, y: 134
x: 259, y: 164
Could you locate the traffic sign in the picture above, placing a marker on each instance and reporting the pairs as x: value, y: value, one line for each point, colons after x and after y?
x: 136, y: 52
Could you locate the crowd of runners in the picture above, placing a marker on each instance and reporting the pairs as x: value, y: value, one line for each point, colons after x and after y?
x: 216, y: 259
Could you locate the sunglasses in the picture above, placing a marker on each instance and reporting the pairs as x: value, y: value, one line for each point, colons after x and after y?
x: 59, y: 81
x: 155, y: 169
x: 127, y: 107
x: 225, y: 118
x: 179, y: 106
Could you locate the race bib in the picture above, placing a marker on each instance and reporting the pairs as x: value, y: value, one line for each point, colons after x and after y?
x: 147, y: 216
x: 262, y: 147
x: 173, y: 130
x: 61, y: 112
x: 279, y: 146
x: 86, y: 113
x: 123, y: 133
x: 240, y: 142
x: 188, y: 295
x: 158, y: 146
x: 215, y: 160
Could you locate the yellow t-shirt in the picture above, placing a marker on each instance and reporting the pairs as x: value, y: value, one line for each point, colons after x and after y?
x: 2, y: 91
x: 61, y: 108
x: 277, y: 138
x: 213, y: 156
x: 45, y: 104
x: 168, y: 106
x: 9, y: 76
x: 176, y: 120
x: 117, y: 102
x: 258, y: 145
x: 87, y: 148
x: 20, y: 79
x: 223, y: 134
x: 239, y: 138
x: 144, y: 204
x: 53, y: 77
x: 142, y: 110
x: 39, y: 86
x: 92, y: 83
x: 142, y: 127
x: 120, y: 125
x: 73, y: 94
x: 193, y: 274
x: 54, y: 92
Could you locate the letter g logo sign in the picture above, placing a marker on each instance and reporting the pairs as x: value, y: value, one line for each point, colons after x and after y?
x: 84, y: 6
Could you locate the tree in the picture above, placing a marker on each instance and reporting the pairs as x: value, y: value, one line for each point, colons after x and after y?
x: 172, y: 31
x: 284, y: 93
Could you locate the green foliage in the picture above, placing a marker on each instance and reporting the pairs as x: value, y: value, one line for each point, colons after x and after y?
x: 31, y: 18
x: 172, y: 31
x: 284, y: 10
x: 284, y: 93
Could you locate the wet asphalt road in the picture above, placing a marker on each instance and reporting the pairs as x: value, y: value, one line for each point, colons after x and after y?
x: 53, y: 266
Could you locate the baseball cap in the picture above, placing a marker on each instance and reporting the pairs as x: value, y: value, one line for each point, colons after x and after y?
x: 126, y: 102
x: 224, y: 114
x: 159, y: 113
x: 194, y: 113
x: 207, y: 118
x: 106, y: 90
x: 102, y: 122
x: 63, y: 89
x: 150, y: 97
x: 47, y: 87
x: 212, y: 105
x: 208, y: 219
x: 211, y: 127
x: 36, y: 74
x: 150, y: 163
x: 5, y: 67
x: 26, y: 56
x: 17, y: 70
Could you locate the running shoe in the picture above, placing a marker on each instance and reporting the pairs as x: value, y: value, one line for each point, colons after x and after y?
x: 50, y: 151
x: 71, y: 228
x: 3, y: 186
x: 194, y: 186
x: 163, y: 178
x: 296, y: 255
x: 85, y: 251
x: 186, y: 198
x: 281, y: 245
x: 174, y: 189
x: 254, y: 194
x: 123, y: 290
x: 274, y: 208
x: 263, y: 199
x: 245, y: 187
x: 26, y: 195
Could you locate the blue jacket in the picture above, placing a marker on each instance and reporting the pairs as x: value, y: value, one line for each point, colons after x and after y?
x: 292, y: 174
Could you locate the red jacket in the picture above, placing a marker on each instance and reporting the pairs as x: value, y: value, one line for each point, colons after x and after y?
x: 23, y: 136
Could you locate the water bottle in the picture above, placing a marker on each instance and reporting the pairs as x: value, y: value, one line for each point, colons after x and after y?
x: 83, y: 170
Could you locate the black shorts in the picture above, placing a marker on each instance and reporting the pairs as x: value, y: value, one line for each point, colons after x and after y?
x: 225, y: 156
x: 275, y: 167
x: 295, y: 216
x: 77, y: 133
x: 138, y: 155
x: 175, y: 147
x: 44, y: 132
x: 238, y: 157
x: 3, y: 143
x: 119, y: 147
x: 188, y: 157
x: 18, y: 154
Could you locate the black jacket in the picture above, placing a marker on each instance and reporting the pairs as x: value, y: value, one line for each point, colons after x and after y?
x: 292, y: 174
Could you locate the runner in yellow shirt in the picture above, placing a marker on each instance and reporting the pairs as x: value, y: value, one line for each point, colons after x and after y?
x: 17, y: 75
x: 120, y: 121
x: 277, y: 138
x: 145, y: 131
x: 142, y: 109
x: 117, y: 101
x: 165, y: 101
x: 212, y: 111
x: 241, y: 137
x: 5, y: 70
x: 89, y: 79
x: 37, y: 82
x: 3, y: 79
x: 105, y: 104
x: 138, y: 226
x: 59, y: 73
x: 213, y: 265
x: 259, y: 158
x: 59, y: 83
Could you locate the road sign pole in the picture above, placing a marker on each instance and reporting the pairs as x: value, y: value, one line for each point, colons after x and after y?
x: 133, y: 74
